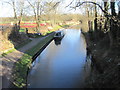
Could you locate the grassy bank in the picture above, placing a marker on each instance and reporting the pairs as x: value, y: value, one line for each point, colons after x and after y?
x: 7, y: 52
x: 22, y: 66
x: 20, y: 71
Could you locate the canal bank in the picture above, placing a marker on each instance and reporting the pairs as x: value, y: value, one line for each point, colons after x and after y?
x: 105, y: 63
x: 23, y: 65
x: 14, y: 75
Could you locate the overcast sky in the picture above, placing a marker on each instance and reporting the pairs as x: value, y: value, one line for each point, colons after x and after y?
x: 7, y: 11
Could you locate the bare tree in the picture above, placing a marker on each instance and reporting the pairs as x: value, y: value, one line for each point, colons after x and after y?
x: 18, y: 8
x: 38, y: 8
x: 21, y: 6
x: 13, y: 4
x: 50, y: 10
x: 108, y: 26
x: 91, y: 2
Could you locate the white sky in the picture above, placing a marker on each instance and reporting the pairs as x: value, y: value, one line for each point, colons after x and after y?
x: 7, y: 11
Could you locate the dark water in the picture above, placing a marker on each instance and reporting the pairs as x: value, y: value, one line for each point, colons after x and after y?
x: 61, y: 66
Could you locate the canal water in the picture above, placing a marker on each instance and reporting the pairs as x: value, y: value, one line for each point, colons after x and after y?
x: 61, y: 66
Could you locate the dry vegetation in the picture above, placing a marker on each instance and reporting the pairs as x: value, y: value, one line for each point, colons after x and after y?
x: 9, y: 39
x: 5, y: 44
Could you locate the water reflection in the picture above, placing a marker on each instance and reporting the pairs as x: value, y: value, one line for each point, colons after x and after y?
x: 57, y: 42
x: 60, y: 66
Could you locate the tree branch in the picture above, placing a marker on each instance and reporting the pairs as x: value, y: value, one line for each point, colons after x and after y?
x: 69, y: 4
x: 9, y: 3
x: 56, y: 4
x: 30, y: 4
x: 79, y: 4
x: 33, y: 9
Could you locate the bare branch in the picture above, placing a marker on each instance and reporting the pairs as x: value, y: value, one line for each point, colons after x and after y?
x: 30, y: 4
x: 33, y: 9
x: 69, y: 4
x: 79, y: 4
x: 9, y: 3
x: 56, y: 4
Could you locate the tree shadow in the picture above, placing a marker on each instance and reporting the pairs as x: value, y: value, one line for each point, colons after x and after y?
x: 17, y: 37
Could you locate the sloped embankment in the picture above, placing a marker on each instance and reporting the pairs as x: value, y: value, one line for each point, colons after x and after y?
x: 105, y: 71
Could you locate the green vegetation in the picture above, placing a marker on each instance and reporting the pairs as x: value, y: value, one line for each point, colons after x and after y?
x: 46, y: 33
x: 49, y: 32
x: 22, y: 30
x: 9, y: 51
x: 22, y: 66
x: 22, y: 44
x: 60, y: 26
x: 65, y: 26
x: 20, y: 72
x: 57, y: 27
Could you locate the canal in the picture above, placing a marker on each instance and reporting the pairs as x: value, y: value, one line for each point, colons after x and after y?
x: 61, y: 66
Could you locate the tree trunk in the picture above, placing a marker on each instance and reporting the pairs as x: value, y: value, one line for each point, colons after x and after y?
x: 113, y: 26
x: 38, y: 16
x: 16, y: 28
x: 21, y: 11
x: 108, y: 23
x: 95, y: 21
x: 112, y: 5
x: 15, y: 15
x: 105, y: 7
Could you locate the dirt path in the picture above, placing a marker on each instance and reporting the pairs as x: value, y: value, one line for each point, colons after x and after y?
x: 7, y: 62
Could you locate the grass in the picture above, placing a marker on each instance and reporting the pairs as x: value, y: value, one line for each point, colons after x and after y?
x: 49, y: 32
x: 22, y: 66
x: 60, y: 26
x: 65, y: 26
x: 10, y: 51
x: 20, y: 72
x: 22, y: 44
x: 57, y: 27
